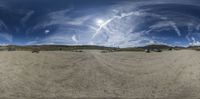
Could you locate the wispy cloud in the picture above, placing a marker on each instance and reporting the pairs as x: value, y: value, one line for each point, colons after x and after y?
x: 3, y: 26
x: 194, y: 42
x: 115, y: 17
x: 74, y: 38
x: 27, y: 17
x: 62, y: 18
x: 4, y: 32
x: 164, y: 24
x: 6, y: 36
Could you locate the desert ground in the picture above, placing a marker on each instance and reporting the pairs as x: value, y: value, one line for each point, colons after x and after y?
x: 94, y: 75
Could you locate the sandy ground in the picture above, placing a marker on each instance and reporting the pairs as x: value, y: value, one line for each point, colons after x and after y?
x: 95, y: 75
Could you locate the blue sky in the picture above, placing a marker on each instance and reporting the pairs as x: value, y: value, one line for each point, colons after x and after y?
x: 123, y: 23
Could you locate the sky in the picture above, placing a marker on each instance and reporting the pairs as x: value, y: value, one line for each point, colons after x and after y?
x: 114, y: 23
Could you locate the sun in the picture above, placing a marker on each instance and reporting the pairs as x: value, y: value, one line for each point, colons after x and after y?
x: 99, y: 22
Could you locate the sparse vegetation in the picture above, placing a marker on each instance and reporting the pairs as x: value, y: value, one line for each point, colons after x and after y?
x: 36, y: 50
x: 147, y: 50
x: 77, y: 51
x: 91, y: 47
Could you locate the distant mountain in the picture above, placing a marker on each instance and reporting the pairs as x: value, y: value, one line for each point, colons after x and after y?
x: 194, y: 47
x: 153, y: 46
x: 157, y: 46
x: 88, y: 47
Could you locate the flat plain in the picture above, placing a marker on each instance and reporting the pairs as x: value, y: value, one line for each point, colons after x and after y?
x: 94, y: 75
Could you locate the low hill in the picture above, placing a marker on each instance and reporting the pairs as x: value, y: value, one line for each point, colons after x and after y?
x: 157, y: 47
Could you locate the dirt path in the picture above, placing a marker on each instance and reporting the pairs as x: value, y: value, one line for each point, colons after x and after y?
x: 156, y: 75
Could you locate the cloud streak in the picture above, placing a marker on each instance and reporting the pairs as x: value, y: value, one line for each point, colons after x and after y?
x: 26, y: 17
x: 164, y: 24
x: 6, y: 36
x: 74, y: 38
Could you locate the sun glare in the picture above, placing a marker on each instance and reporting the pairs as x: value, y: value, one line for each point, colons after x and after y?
x: 99, y: 22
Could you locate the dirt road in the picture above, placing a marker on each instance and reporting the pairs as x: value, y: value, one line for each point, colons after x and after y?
x: 95, y: 75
